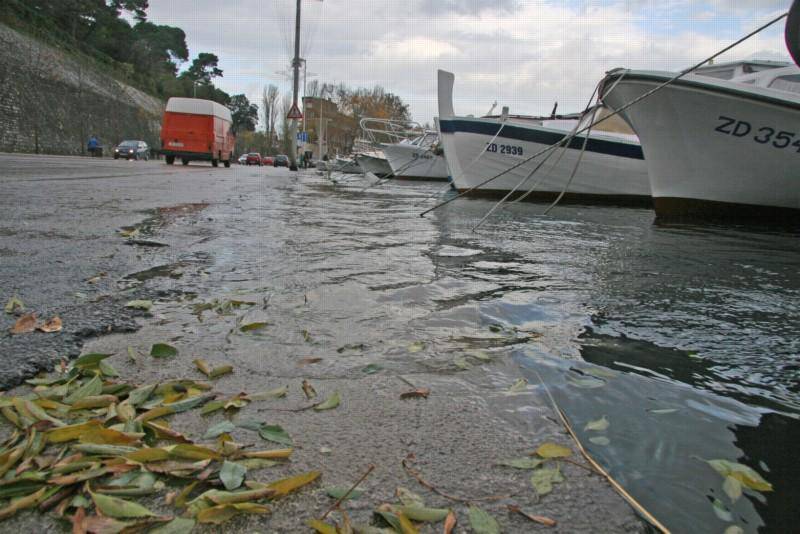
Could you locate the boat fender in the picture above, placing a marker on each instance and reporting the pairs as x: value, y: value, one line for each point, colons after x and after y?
x: 792, y: 31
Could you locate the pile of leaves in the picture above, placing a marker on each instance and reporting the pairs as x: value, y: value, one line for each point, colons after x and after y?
x: 85, y: 443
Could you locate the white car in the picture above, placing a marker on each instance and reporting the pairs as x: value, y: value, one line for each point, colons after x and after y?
x: 242, y: 159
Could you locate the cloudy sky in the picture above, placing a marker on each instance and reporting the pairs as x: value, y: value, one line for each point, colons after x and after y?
x: 525, y: 54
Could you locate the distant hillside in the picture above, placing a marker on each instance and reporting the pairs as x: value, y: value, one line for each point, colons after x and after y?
x: 52, y: 101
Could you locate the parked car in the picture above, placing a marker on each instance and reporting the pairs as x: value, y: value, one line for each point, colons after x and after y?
x: 132, y: 150
x: 242, y: 159
x: 253, y: 158
x: 267, y: 160
x: 197, y: 130
x: 281, y: 160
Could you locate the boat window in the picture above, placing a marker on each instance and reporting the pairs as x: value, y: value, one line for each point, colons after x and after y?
x: 789, y: 83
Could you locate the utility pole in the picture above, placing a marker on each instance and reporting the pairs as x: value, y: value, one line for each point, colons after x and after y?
x: 296, y: 68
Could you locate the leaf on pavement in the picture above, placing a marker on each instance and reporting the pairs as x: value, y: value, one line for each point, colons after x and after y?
x: 288, y: 485
x: 450, y: 522
x: 340, y: 492
x: 144, y: 305
x: 330, y: 403
x: 309, y: 390
x: 162, y: 350
x: 542, y: 520
x: 321, y: 527
x: 251, y: 327
x: 551, y: 450
x: 275, y: 433
x: 276, y: 393
x: 51, y: 325
x: 224, y: 427
x: 522, y: 463
x: 14, y: 305
x: 419, y: 393
x: 25, y: 324
x: 481, y: 522
x: 232, y: 475
x: 119, y: 508
x: 179, y: 525
x: 543, y: 479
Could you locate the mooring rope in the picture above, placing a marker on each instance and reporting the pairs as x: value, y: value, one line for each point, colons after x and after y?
x: 614, y: 112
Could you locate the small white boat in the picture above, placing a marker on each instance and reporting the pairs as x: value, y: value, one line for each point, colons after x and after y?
x: 374, y: 162
x: 417, y: 159
x: 611, y: 170
x: 347, y: 166
x: 721, y: 142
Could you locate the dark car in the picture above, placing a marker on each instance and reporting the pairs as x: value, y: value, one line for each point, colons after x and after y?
x: 281, y: 160
x: 253, y: 158
x: 132, y: 150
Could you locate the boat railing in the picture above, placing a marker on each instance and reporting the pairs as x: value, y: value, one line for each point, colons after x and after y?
x: 378, y: 131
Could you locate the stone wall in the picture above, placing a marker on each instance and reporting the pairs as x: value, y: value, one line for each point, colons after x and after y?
x: 51, y: 102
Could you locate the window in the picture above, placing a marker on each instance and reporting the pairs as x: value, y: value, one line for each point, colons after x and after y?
x: 789, y: 83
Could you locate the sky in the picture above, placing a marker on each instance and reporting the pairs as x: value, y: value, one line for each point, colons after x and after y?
x: 525, y: 54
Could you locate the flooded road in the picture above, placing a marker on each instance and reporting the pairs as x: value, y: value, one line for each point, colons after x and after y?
x: 664, y: 346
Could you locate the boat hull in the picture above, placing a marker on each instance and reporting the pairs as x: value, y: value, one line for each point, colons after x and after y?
x: 714, y: 152
x: 410, y: 162
x: 610, y: 171
x: 378, y: 166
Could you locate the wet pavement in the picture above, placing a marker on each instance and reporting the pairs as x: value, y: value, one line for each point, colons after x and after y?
x: 683, y: 338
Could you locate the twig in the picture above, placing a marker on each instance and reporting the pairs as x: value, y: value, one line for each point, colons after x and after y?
x: 436, y: 490
x: 346, y: 495
x: 406, y: 381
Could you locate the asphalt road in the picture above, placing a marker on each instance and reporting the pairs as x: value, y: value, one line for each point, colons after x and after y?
x: 341, y: 287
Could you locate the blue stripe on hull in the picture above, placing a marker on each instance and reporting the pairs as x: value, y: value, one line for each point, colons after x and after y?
x: 541, y: 136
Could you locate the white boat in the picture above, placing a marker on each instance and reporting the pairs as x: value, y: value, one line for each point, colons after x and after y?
x: 721, y: 142
x: 374, y: 162
x: 347, y: 166
x: 612, y: 169
x: 417, y: 159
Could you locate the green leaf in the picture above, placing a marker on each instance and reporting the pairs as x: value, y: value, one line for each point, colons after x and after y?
x: 598, y: 425
x: 89, y: 388
x: 551, y: 450
x: 371, y: 369
x: 338, y: 493
x: 544, y: 478
x: 107, y: 369
x: 330, y: 403
x: 190, y: 403
x: 141, y: 394
x: 600, y: 440
x: 139, y: 304
x: 119, y: 508
x: 251, y: 327
x: 744, y: 474
x: 90, y: 360
x: 276, y: 393
x: 416, y: 346
x: 481, y: 522
x: 522, y: 463
x: 232, y: 475
x: 179, y: 525
x: 275, y: 433
x: 519, y: 386
x: 422, y: 513
x: 212, y: 406
x: 224, y: 427
x: 409, y: 498
x: 14, y: 305
x: 321, y: 527
x: 162, y: 350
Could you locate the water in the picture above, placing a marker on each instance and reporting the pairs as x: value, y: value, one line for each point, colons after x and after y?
x: 683, y: 338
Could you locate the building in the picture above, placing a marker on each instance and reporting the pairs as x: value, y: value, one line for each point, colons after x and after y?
x: 338, y: 130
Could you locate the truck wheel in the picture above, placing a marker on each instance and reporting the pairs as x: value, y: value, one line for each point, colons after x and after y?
x: 184, y: 161
x: 227, y: 163
x: 170, y: 160
x: 215, y: 162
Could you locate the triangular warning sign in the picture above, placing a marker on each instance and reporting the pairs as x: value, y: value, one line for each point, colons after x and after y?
x: 294, y: 113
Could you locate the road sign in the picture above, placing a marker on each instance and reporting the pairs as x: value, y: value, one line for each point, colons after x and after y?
x: 302, y: 137
x: 294, y: 113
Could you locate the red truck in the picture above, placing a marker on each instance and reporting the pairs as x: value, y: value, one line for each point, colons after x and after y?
x: 197, y: 130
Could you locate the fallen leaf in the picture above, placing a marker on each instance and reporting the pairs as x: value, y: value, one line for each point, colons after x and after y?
x: 179, y: 525
x: 597, y: 425
x: 162, y: 350
x: 481, y: 522
x: 416, y: 346
x: 276, y: 393
x: 542, y: 520
x: 23, y: 503
x: 308, y: 361
x: 224, y: 427
x: 306, y: 336
x: 269, y: 455
x: 408, y: 497
x: 450, y: 522
x: 288, y: 485
x: 520, y: 386
x: 732, y: 488
x: 600, y: 440
x: 275, y: 433
x: 119, y: 508
x: 406, y: 526
x: 51, y: 325
x: 551, y: 450
x: 419, y: 393
x: 543, y: 479
x: 144, y: 305
x: 14, y: 306
x: 251, y: 327
x: 340, y: 492
x: 330, y: 403
x: 462, y: 363
x: 321, y: 527
x: 734, y: 529
x: 232, y: 475
x: 721, y: 511
x: 222, y: 513
x: 371, y: 369
x: 309, y: 390
x: 744, y: 474
x: 25, y: 324
x: 220, y: 371
x: 202, y: 366
x: 424, y: 514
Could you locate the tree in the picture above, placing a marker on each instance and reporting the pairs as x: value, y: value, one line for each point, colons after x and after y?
x: 269, y: 101
x: 244, y: 114
x: 204, y: 68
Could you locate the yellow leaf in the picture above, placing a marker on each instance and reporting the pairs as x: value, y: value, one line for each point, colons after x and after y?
x: 551, y: 450
x: 155, y: 413
x: 192, y: 452
x: 320, y: 527
x: 288, y: 485
x: 72, y: 432
x: 96, y: 401
x: 107, y: 436
x: 148, y: 455
x: 269, y: 455
x: 23, y: 503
